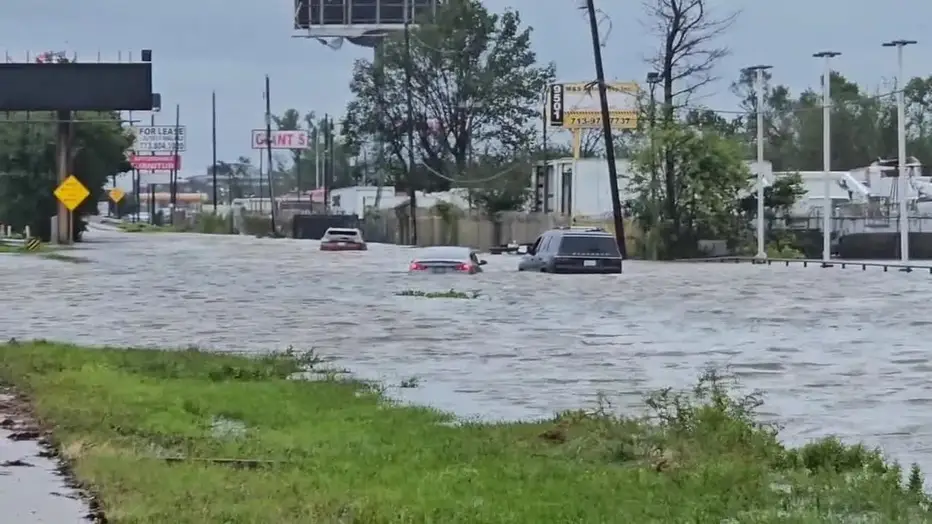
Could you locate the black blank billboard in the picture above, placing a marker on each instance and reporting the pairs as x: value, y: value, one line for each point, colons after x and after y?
x: 76, y: 86
x: 357, y: 12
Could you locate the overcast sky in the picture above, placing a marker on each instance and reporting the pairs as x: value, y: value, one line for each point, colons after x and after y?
x: 229, y: 45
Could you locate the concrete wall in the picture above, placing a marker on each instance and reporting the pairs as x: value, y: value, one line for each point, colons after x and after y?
x: 474, y: 229
x: 884, y: 246
x: 471, y: 230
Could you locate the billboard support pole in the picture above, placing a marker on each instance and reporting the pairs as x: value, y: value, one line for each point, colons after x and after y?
x: 63, y: 135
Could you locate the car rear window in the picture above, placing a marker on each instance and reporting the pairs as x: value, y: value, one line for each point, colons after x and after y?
x: 588, y: 245
x: 342, y: 232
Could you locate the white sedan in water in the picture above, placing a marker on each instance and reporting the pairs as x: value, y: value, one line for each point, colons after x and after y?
x: 446, y: 259
x: 342, y: 239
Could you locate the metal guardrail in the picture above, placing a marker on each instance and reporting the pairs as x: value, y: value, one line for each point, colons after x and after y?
x: 9, y: 241
x: 806, y: 262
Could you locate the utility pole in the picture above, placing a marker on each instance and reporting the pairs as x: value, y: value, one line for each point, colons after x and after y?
x: 213, y: 143
x: 412, y: 194
x: 325, y: 164
x: 173, y: 178
x: 653, y: 78
x: 903, y: 180
x: 268, y: 152
x: 607, y: 130
x: 827, y: 155
x: 759, y: 72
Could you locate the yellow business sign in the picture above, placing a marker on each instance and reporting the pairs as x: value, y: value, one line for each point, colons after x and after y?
x: 575, y: 105
x: 71, y: 193
x: 116, y: 194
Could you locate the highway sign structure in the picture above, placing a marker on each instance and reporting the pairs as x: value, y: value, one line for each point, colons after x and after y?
x: 281, y: 139
x: 116, y: 194
x: 71, y: 193
x: 159, y: 139
x: 155, y: 162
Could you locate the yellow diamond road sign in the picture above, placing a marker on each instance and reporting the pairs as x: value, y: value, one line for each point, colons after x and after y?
x: 71, y: 193
x: 116, y: 195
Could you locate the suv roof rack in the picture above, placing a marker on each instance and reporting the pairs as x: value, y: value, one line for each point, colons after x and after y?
x: 582, y: 228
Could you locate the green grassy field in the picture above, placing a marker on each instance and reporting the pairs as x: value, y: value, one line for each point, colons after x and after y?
x: 193, y: 437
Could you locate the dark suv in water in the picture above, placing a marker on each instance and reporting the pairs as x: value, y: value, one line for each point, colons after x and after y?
x: 573, y: 250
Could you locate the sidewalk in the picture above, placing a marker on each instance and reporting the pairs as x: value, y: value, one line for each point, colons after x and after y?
x: 32, y: 491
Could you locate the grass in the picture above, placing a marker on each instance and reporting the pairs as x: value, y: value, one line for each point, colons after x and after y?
x: 439, y: 294
x: 48, y: 251
x: 334, y: 450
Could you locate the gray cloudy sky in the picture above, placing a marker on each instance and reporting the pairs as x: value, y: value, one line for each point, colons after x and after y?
x: 228, y: 45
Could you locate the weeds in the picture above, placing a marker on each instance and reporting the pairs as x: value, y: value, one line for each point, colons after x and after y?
x: 336, y: 451
x: 439, y: 294
x: 410, y: 383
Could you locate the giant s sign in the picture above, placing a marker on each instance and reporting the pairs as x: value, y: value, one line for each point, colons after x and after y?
x: 555, y: 105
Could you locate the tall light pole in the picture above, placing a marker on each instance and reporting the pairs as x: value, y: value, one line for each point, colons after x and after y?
x: 653, y: 78
x: 827, y: 155
x: 902, y: 181
x: 759, y: 72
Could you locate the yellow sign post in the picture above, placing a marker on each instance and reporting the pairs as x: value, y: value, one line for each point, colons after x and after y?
x: 71, y: 193
x: 116, y: 194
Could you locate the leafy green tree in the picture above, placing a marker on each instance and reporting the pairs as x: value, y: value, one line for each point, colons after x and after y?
x: 28, y: 174
x: 711, y: 177
x: 476, y: 86
x: 779, y: 198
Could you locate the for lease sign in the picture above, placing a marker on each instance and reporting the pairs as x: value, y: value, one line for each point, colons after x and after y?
x: 159, y: 139
x: 281, y: 139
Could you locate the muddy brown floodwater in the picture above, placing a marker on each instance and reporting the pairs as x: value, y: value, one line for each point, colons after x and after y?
x: 840, y: 351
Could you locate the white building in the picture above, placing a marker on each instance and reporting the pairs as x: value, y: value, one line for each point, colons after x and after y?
x: 581, y: 187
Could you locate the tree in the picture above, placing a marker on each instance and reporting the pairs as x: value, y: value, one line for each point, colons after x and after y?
x: 711, y: 178
x: 685, y: 60
x: 28, y: 174
x: 779, y: 198
x: 475, y: 86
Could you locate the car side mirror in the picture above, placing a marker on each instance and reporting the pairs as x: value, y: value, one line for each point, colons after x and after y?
x: 523, y: 250
x: 483, y: 262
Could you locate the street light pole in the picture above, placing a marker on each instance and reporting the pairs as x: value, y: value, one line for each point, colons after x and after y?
x: 653, y: 79
x: 827, y: 155
x: 759, y: 70
x: 902, y: 181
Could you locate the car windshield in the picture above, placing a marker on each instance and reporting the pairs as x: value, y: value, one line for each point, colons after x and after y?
x: 588, y: 244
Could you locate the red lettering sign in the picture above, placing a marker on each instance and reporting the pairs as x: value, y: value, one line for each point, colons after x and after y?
x: 155, y: 162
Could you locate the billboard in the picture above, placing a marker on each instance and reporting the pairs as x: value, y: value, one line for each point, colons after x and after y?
x: 76, y: 86
x: 281, y: 139
x: 158, y: 139
x: 155, y: 162
x: 575, y: 105
x: 355, y: 17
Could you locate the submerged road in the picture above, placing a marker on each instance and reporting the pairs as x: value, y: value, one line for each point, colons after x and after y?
x: 835, y: 351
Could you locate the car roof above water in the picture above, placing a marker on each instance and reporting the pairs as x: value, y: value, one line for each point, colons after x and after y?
x: 444, y: 253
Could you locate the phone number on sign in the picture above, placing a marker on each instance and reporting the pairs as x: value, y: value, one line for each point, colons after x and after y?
x: 616, y: 121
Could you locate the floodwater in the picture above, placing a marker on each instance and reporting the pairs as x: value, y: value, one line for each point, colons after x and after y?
x: 31, y: 491
x: 841, y: 351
